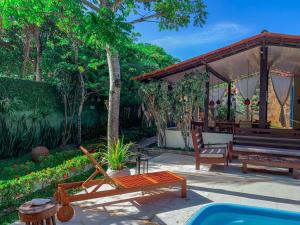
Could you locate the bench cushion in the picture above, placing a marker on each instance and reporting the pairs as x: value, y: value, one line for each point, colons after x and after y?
x: 267, y: 159
x: 216, y: 152
x: 266, y: 150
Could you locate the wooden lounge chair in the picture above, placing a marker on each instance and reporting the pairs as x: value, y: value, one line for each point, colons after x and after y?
x: 209, y: 153
x: 119, y: 185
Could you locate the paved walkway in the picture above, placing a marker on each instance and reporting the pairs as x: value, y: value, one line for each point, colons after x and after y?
x: 210, y: 184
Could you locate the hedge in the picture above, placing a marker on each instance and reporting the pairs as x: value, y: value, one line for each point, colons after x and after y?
x: 12, y: 191
x: 31, y: 114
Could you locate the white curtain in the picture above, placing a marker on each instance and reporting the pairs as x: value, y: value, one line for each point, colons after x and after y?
x: 282, y: 86
x: 247, y: 87
x: 216, y: 94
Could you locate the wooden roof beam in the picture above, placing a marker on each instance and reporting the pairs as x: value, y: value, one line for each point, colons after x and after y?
x: 215, y: 73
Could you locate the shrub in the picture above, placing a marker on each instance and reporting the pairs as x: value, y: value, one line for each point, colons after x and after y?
x: 12, y: 190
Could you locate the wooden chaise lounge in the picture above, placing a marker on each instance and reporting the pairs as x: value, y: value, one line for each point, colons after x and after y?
x: 119, y: 185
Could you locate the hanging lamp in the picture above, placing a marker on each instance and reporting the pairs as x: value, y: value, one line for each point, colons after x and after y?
x: 247, y: 100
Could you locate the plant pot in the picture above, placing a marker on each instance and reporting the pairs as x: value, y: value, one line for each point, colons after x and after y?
x: 118, y: 173
x: 38, y: 152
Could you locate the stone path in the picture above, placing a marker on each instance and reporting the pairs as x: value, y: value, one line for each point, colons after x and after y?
x: 210, y: 184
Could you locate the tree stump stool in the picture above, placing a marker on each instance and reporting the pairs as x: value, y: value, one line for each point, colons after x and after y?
x: 38, y: 214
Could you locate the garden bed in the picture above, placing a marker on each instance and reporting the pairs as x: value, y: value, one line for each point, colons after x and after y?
x: 22, y: 179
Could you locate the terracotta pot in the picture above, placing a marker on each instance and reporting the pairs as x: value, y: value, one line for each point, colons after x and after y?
x: 118, y: 173
x: 39, y: 151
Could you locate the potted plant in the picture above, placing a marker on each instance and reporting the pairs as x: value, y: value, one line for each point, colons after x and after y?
x: 116, y: 156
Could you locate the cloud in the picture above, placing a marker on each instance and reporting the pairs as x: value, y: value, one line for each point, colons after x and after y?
x: 213, y: 34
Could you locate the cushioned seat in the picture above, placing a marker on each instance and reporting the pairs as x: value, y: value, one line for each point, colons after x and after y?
x: 265, y: 150
x: 213, y: 152
x: 208, y: 153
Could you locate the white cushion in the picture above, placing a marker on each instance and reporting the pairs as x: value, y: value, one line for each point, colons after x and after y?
x: 213, y: 152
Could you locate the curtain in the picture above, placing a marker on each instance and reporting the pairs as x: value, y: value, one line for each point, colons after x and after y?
x: 216, y: 94
x: 247, y: 88
x: 282, y: 86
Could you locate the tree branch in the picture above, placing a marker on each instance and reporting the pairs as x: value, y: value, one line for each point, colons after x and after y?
x: 5, y: 44
x: 90, y: 5
x: 145, y: 18
x: 116, y: 5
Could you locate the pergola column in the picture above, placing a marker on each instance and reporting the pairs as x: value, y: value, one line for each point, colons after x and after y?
x: 206, y: 104
x: 228, y: 99
x: 263, y: 95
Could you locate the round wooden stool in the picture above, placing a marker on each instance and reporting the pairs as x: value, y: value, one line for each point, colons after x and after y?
x: 38, y: 215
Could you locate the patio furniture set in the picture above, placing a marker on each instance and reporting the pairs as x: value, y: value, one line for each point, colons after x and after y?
x: 261, y: 147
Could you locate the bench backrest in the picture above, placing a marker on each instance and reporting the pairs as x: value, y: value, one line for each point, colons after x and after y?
x: 275, y: 138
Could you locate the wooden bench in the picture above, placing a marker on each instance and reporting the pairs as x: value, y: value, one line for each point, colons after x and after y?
x: 273, y: 138
x: 271, y: 161
x: 262, y: 146
x: 276, y: 142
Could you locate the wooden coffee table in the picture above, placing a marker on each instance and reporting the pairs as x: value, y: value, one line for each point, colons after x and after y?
x: 38, y: 215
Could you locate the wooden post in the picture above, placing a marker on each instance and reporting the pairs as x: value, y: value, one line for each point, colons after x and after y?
x: 228, y: 100
x: 263, y: 95
x: 206, y: 104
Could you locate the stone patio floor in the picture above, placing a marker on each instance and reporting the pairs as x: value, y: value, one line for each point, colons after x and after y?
x: 210, y: 184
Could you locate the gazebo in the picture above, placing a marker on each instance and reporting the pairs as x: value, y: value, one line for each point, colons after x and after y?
x: 256, y: 59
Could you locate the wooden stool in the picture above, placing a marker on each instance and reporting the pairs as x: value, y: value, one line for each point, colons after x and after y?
x: 38, y: 215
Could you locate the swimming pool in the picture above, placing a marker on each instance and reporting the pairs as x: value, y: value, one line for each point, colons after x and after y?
x: 234, y: 214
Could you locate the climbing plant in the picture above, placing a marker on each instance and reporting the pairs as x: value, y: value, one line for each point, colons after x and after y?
x: 163, y: 102
x: 156, y: 106
x: 186, y: 97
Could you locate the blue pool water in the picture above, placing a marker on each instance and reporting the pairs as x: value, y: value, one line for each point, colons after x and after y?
x: 233, y: 214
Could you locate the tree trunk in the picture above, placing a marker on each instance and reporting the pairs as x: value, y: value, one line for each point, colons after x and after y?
x: 82, y: 97
x: 65, y: 119
x: 26, y: 51
x: 38, y: 54
x: 82, y: 100
x: 114, y: 95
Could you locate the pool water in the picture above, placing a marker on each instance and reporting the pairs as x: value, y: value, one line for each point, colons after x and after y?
x: 244, y: 219
x: 233, y: 214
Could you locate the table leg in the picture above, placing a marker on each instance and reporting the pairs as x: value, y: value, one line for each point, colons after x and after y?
x: 244, y: 169
x: 48, y: 221
x: 53, y: 220
x: 295, y: 173
x: 147, y: 165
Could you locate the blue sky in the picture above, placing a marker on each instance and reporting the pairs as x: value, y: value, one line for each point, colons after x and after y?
x: 228, y: 21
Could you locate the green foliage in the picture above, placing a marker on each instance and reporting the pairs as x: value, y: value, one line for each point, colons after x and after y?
x: 186, y: 96
x: 19, y: 134
x: 10, y: 215
x: 176, y: 14
x: 28, y: 95
x: 165, y: 102
x: 19, y: 169
x: 26, y: 185
x: 117, y: 153
x: 156, y: 106
x: 31, y: 115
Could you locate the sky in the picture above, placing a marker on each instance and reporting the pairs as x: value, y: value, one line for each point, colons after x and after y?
x: 228, y: 21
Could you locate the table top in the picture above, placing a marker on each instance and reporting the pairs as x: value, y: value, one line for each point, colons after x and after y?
x: 28, y: 208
